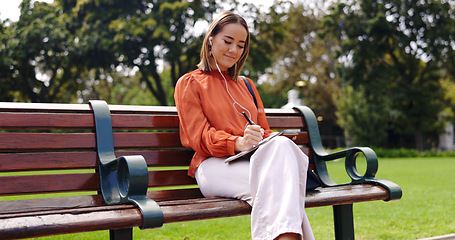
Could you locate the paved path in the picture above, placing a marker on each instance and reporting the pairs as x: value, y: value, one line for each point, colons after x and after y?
x: 443, y: 237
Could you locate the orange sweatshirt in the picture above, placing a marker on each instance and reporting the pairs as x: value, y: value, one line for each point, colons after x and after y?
x: 209, y: 123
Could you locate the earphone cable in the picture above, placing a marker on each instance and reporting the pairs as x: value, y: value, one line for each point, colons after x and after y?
x: 230, y: 95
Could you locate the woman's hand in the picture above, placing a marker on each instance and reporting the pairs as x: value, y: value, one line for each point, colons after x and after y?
x: 253, y: 135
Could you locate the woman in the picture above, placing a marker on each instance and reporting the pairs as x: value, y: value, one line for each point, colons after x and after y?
x: 211, y: 102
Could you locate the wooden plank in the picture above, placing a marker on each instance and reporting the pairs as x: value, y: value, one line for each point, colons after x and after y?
x: 45, y: 120
x: 30, y: 207
x: 300, y: 138
x: 124, y: 216
x: 286, y: 122
x: 18, y: 185
x: 43, y: 107
x: 27, y: 141
x: 84, y: 108
x: 15, y: 120
x: 35, y: 120
x: 346, y: 194
x: 36, y: 161
x: 64, y: 223
x: 147, y: 140
x: 143, y: 121
x: 36, y: 141
x: 81, y: 108
x: 62, y: 141
x: 170, y: 178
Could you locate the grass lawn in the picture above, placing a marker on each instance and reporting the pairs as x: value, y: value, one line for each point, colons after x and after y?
x: 426, y: 209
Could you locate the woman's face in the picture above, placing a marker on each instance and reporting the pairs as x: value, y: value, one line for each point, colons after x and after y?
x: 228, y: 45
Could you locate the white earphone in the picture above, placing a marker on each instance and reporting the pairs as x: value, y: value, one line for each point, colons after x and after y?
x: 210, y: 40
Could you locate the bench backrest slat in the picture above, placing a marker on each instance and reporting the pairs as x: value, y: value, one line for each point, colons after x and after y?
x: 17, y: 185
x: 60, y: 141
x: 36, y: 161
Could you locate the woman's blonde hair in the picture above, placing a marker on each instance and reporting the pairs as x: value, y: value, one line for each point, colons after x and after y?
x: 222, y: 20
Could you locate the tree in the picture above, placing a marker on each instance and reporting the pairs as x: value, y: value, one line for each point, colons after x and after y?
x: 137, y: 34
x: 5, y: 63
x: 36, y: 57
x: 299, y: 57
x: 393, y: 51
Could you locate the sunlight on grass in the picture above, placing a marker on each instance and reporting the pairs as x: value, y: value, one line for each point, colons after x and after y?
x: 48, y: 172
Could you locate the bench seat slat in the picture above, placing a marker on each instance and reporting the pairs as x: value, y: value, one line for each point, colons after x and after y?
x: 124, y: 216
x: 29, y: 207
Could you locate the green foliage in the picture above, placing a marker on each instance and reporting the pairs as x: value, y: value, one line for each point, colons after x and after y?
x: 268, y: 32
x: 362, y: 120
x: 137, y: 34
x: 448, y: 113
x: 396, y: 57
x: 408, y: 153
x: 288, y: 54
x: 271, y: 100
x: 393, y: 51
x: 37, y: 55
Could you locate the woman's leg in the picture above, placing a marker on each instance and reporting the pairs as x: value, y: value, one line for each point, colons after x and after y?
x: 278, y: 186
x: 218, y: 179
x: 275, y: 186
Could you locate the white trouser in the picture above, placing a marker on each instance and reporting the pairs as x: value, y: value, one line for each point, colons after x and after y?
x: 274, y: 186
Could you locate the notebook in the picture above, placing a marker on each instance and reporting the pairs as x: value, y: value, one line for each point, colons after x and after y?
x: 243, y: 153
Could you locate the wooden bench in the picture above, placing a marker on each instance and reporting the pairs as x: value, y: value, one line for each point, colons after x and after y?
x: 50, y: 177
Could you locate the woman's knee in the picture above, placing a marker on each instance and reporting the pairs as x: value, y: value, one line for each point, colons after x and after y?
x: 281, y: 148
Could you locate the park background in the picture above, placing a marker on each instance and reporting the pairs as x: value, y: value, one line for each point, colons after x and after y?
x: 377, y: 74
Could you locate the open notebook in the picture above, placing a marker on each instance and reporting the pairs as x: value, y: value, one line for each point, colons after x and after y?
x: 243, y: 153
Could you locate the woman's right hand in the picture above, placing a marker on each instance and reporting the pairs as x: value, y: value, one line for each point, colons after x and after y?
x: 252, y: 135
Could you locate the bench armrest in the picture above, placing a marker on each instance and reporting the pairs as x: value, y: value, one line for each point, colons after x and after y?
x: 350, y: 155
x: 122, y: 179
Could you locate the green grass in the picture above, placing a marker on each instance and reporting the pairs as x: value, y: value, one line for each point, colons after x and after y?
x: 426, y: 209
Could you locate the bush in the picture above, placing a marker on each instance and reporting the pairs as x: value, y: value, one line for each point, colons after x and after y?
x: 407, y: 153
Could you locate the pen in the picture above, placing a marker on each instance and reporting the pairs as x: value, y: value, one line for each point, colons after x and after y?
x: 248, y: 119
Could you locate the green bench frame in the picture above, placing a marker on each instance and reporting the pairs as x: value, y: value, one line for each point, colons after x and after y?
x: 58, y: 149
